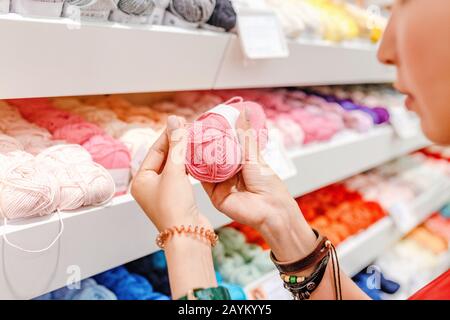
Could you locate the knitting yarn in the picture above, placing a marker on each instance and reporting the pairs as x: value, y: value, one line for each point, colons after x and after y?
x: 36, y: 144
x: 77, y: 133
x: 82, y: 182
x: 110, y: 153
x: 138, y: 142
x: 196, y: 11
x: 136, y: 7
x: 96, y: 115
x: 27, y: 188
x: 54, y: 119
x: 27, y: 129
x: 127, y: 286
x: 293, y: 134
x: 154, y: 268
x: 116, y: 128
x: 214, y: 153
x: 8, y: 144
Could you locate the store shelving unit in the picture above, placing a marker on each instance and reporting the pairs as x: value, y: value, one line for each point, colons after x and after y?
x: 99, y: 238
x: 58, y: 57
x: 43, y: 58
x: 358, y: 251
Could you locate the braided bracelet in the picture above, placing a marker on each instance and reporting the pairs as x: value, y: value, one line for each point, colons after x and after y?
x: 302, y: 287
x: 201, y: 232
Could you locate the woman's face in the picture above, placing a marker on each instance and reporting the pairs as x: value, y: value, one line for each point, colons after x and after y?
x: 417, y: 42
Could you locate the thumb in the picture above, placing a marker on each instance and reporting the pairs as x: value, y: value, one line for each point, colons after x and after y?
x: 178, y: 137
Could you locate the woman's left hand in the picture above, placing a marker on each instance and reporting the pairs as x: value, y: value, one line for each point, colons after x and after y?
x: 161, y: 186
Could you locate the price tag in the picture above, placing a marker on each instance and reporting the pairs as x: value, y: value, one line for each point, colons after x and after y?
x: 269, y: 287
x: 405, y: 123
x: 276, y: 156
x: 403, y: 217
x: 4, y: 6
x: 261, y: 35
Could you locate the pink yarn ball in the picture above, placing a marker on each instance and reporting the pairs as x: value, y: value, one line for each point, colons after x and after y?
x: 293, y: 135
x: 77, y: 133
x: 108, y: 152
x: 214, y: 153
x: 54, y: 119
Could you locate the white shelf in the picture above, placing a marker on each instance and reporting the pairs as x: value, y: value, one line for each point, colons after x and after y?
x: 56, y: 57
x: 99, y: 238
x: 309, y: 63
x: 343, y: 158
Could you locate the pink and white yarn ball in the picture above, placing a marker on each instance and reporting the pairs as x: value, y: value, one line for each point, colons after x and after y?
x: 214, y: 153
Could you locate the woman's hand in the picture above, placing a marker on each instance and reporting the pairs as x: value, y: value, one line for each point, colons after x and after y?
x: 161, y: 187
x: 164, y: 192
x: 257, y: 197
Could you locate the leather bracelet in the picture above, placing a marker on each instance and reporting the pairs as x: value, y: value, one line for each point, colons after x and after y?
x: 303, y: 290
x: 321, y: 249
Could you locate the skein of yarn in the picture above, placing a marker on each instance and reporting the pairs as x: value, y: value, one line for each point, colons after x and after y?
x: 112, y: 155
x: 136, y: 7
x: 81, y: 181
x: 27, y: 188
x: 8, y: 144
x: 77, y: 133
x: 196, y: 11
x: 128, y: 286
x: 223, y: 15
x: 214, y: 153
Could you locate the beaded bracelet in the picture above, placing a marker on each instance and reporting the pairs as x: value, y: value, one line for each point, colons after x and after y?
x: 201, y: 232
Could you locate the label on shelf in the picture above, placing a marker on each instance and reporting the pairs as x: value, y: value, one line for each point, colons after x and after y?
x: 276, y: 156
x: 403, y: 217
x: 269, y: 287
x: 261, y: 35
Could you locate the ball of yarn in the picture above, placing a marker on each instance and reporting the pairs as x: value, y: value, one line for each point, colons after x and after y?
x: 35, y: 144
x: 108, y: 152
x: 82, y: 183
x: 77, y: 133
x: 154, y: 268
x: 197, y: 11
x: 95, y: 292
x: 97, y: 115
x: 8, y: 144
x: 127, y: 286
x: 223, y: 15
x: 71, y: 154
x: 139, y: 138
x: 116, y: 128
x: 56, y: 119
x: 28, y: 188
x: 28, y: 129
x: 136, y: 7
x: 214, y: 153
x: 293, y: 134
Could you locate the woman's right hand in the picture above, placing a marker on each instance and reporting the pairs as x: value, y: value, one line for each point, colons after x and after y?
x: 257, y: 197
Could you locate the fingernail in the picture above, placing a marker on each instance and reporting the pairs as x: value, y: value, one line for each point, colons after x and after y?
x: 173, y: 122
